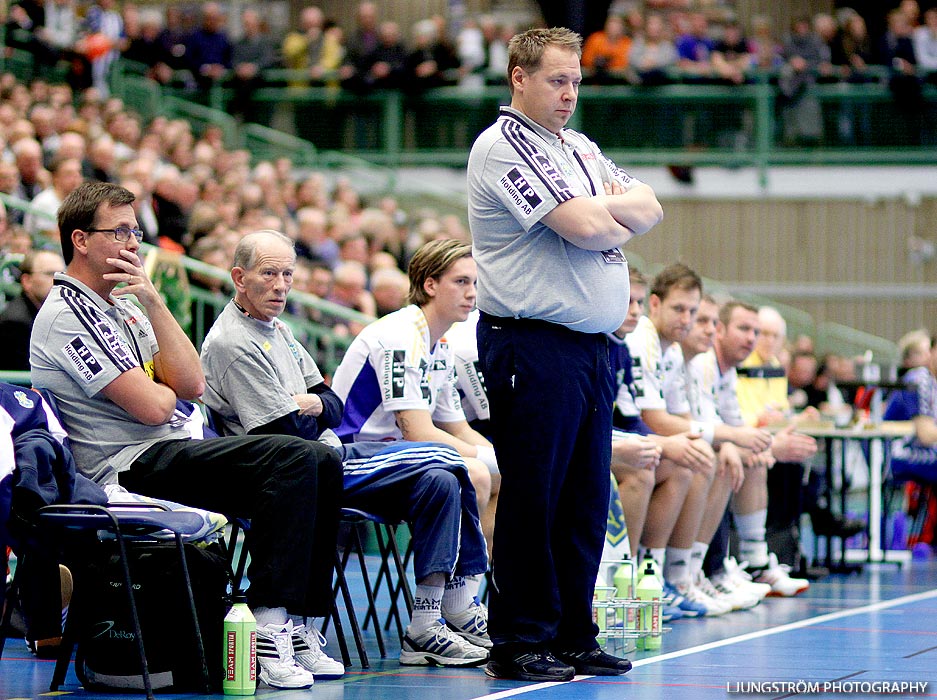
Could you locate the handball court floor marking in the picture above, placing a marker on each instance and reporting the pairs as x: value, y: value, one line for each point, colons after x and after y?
x: 723, y: 643
x: 892, y: 636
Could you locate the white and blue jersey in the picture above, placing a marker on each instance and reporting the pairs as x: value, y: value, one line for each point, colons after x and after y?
x: 659, y: 382
x: 470, y: 380
x: 391, y: 367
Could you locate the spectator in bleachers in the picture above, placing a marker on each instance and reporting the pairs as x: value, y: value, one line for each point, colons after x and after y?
x: 925, y: 44
x: 9, y: 184
x: 103, y: 159
x: 605, y: 53
x: 33, y: 178
x: 482, y: 51
x: 765, y: 49
x: 252, y: 53
x: 208, y: 49
x: 66, y: 176
x: 42, y: 117
x: 389, y: 287
x: 312, y: 240
x: 350, y: 289
x: 826, y: 29
x: 174, y: 37
x: 61, y: 27
x: 360, y: 44
x: 430, y: 62
x: 17, y: 317
x: 912, y: 11
x: 103, y: 42
x: 302, y: 48
x: 800, y: 380
x: 730, y: 57
x: 384, y: 67
x: 25, y: 30
x: 806, y: 56
x: 653, y: 54
x: 896, y: 50
x: 852, y: 50
x: 695, y: 47
x: 149, y: 48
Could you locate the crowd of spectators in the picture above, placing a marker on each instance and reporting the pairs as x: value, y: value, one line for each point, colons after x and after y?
x: 198, y: 197
x: 661, y: 41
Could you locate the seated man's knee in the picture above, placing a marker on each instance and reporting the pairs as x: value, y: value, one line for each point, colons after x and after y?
x: 672, y: 472
x: 480, y: 477
x: 438, y: 484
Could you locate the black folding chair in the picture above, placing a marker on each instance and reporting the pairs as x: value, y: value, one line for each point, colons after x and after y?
x: 126, y: 523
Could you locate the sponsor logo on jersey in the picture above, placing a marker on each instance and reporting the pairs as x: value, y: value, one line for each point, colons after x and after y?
x: 395, y: 382
x: 424, y: 381
x: 549, y: 169
x: 23, y: 400
x: 524, y: 196
x: 85, y: 362
x: 114, y: 342
x: 637, y: 378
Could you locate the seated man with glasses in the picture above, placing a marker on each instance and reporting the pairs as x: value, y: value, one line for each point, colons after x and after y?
x: 116, y: 373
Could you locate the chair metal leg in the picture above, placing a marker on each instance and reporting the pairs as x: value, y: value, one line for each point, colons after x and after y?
x: 196, y: 628
x: 7, y: 596
x: 369, y: 592
x: 339, y: 629
x: 137, y: 630
x: 353, y: 621
x: 402, y: 585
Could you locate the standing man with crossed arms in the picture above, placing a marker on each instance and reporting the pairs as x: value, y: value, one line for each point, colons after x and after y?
x: 548, y: 213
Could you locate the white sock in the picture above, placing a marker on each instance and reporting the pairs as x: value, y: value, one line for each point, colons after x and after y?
x: 473, y: 583
x: 456, y: 597
x: 677, y: 565
x: 753, y: 546
x: 270, y: 616
x: 697, y: 556
x: 302, y: 620
x: 426, y: 607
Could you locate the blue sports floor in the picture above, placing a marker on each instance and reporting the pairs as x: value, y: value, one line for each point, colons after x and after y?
x: 867, y: 632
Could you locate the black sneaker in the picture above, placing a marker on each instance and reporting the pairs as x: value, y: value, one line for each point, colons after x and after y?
x: 594, y: 662
x: 530, y: 665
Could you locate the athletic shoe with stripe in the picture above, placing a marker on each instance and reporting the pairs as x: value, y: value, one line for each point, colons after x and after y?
x: 688, y: 607
x: 693, y: 593
x: 737, y: 599
x: 440, y: 646
x: 776, y: 575
x: 735, y: 575
x: 471, y: 624
x: 278, y: 667
x: 308, y: 644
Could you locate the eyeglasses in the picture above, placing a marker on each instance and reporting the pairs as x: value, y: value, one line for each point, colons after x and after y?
x: 121, y: 233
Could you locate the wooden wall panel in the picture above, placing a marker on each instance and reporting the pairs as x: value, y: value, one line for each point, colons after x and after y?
x: 795, y: 242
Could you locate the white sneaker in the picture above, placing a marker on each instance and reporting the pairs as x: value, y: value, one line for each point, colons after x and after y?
x: 776, y: 575
x: 440, y: 646
x: 308, y: 644
x: 471, y: 624
x: 735, y: 597
x: 713, y: 606
x: 736, y: 575
x: 278, y: 667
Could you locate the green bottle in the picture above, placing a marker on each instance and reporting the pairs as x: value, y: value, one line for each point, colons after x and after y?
x: 240, y: 649
x: 650, y: 589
